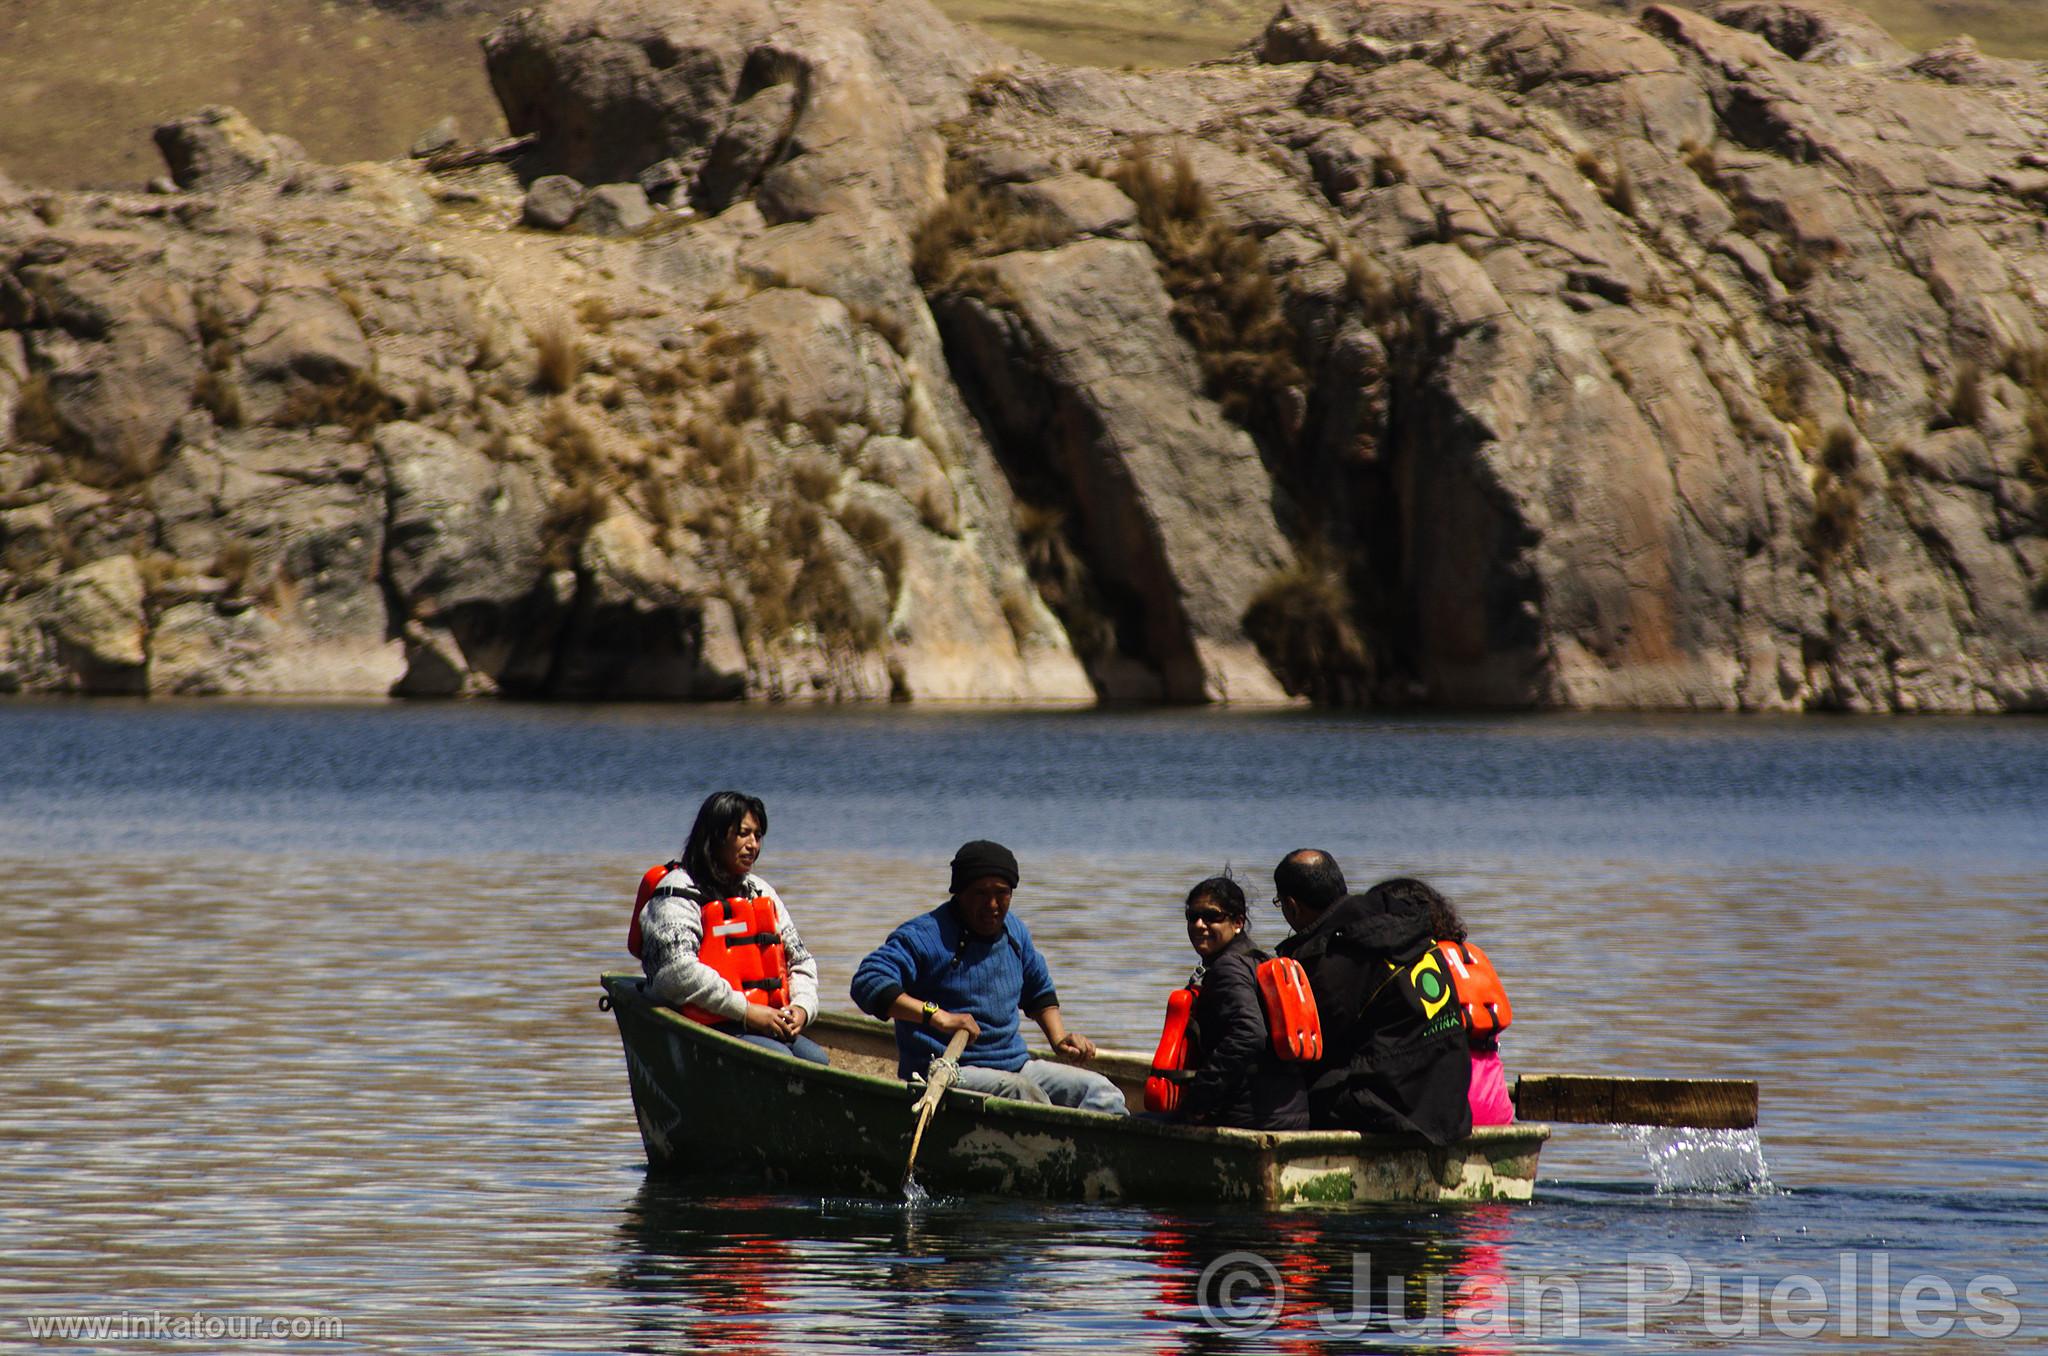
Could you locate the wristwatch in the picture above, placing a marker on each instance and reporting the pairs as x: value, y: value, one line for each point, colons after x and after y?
x: 931, y: 1010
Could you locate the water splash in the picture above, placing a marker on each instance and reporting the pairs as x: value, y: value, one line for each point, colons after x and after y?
x: 915, y: 1199
x: 1703, y: 1160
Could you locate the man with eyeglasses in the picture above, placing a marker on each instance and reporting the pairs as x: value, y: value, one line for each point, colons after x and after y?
x: 969, y: 965
x: 1395, y: 1058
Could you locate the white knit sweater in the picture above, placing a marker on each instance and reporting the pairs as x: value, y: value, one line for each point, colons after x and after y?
x: 671, y: 930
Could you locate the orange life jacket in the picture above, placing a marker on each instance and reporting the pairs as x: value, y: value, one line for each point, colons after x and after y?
x: 1162, y: 1092
x: 1291, y: 1017
x: 1487, y: 1010
x: 1292, y: 1023
x: 741, y: 943
x: 648, y: 881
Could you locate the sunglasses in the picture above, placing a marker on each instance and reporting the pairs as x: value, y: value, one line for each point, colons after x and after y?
x: 1209, y: 916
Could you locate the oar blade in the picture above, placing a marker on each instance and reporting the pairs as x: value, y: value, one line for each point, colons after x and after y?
x: 1690, y: 1103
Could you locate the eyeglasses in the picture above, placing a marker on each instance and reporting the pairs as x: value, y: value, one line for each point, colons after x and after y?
x: 1210, y: 916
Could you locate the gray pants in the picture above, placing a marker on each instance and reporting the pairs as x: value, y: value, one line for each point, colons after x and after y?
x: 1042, y: 1081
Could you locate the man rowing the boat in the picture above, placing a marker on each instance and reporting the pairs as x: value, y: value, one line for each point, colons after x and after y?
x: 969, y: 965
x: 1395, y: 1057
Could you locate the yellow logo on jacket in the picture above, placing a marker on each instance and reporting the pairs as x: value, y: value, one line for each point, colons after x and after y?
x: 1430, y: 984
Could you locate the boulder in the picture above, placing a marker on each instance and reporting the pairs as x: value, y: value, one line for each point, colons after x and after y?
x: 1476, y: 352
x: 1080, y: 204
x: 464, y: 552
x: 1087, y: 373
x: 638, y: 632
x: 112, y: 344
x: 440, y: 137
x: 290, y: 525
x: 611, y: 92
x: 301, y: 338
x: 87, y: 631
x: 552, y: 202
x: 616, y: 209
x: 752, y: 137
x: 806, y: 351
x: 661, y: 180
x: 216, y: 148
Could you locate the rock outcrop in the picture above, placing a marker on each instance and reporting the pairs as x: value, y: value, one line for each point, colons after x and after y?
x: 1460, y: 351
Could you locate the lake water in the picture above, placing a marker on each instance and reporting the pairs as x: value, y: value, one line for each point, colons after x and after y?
x: 298, y: 1024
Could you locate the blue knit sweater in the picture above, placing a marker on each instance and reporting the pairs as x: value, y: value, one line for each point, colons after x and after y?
x: 934, y: 958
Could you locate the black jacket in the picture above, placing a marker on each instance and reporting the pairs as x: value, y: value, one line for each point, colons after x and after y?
x: 1238, y: 1080
x: 1394, y: 1058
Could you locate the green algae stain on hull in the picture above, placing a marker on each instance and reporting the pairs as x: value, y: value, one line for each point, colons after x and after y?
x: 847, y: 1129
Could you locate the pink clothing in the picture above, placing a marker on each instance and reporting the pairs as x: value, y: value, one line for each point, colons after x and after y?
x: 1489, y: 1093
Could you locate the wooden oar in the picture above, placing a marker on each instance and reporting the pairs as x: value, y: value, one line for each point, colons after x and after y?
x: 1583, y: 1099
x: 938, y: 1077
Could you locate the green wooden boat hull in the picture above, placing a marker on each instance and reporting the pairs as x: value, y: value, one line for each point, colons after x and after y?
x: 846, y: 1131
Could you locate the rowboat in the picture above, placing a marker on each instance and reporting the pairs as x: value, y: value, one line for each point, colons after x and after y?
x: 707, y: 1102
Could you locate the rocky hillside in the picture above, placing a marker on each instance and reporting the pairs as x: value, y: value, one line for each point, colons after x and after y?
x: 1432, y: 351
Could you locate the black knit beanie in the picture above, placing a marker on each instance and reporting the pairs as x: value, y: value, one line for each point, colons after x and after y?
x: 983, y: 858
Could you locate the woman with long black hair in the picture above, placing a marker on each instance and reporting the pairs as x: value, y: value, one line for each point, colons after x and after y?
x: 716, y: 940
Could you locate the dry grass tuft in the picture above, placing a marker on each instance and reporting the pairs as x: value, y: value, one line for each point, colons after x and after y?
x: 35, y: 415
x: 2027, y: 365
x: 160, y: 571
x: 576, y: 508
x: 231, y: 565
x: 792, y: 580
x: 1225, y: 300
x: 876, y: 537
x: 1838, y: 451
x: 1795, y: 264
x: 1836, y: 525
x: 814, y: 479
x: 217, y: 395
x: 1616, y: 185
x: 581, y: 503
x: 658, y: 504
x: 745, y: 397
x: 1381, y: 297
x: 1964, y: 407
x: 1303, y: 621
x: 1787, y: 389
x: 1063, y: 580
x: 558, y: 345
x: 1703, y: 161
x: 355, y: 402
x: 974, y: 224
x: 885, y: 323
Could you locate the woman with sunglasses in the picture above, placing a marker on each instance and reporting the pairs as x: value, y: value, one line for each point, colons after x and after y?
x: 1233, y: 1077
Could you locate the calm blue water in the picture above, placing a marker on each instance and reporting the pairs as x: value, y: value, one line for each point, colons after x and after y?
x: 441, y: 781
x: 297, y: 1019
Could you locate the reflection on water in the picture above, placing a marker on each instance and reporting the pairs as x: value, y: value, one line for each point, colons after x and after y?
x: 266, y: 1052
